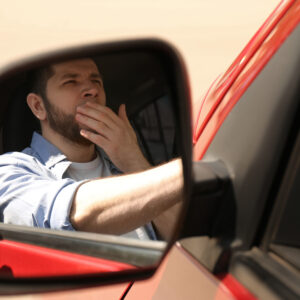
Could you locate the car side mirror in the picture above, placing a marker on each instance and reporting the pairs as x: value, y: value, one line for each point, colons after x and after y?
x: 150, y: 78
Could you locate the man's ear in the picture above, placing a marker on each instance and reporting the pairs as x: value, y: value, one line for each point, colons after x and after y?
x: 36, y: 104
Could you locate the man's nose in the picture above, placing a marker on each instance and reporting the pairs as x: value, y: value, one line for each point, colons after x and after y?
x: 89, y: 91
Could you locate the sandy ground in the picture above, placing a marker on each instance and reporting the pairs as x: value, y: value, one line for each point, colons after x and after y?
x: 209, y: 34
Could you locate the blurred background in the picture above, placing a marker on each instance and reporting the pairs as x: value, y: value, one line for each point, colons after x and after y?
x: 208, y: 33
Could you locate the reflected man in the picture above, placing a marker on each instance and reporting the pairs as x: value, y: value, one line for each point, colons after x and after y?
x: 58, y: 181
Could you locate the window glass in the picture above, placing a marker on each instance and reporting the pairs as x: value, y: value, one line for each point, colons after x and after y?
x: 155, y: 127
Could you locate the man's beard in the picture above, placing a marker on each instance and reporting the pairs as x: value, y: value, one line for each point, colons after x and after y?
x: 65, y: 124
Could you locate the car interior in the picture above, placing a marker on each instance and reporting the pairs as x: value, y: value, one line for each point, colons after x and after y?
x: 136, y: 79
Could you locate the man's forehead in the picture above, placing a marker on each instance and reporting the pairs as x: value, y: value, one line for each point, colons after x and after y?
x: 75, y: 66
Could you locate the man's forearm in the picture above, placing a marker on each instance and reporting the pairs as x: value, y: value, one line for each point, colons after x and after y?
x: 120, y: 204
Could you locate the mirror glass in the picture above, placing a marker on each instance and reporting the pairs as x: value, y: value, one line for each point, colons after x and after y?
x: 136, y: 78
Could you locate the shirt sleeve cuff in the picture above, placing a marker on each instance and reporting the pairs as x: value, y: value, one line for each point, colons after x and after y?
x: 60, y: 216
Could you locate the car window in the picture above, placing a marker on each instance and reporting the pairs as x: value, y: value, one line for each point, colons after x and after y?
x: 155, y: 128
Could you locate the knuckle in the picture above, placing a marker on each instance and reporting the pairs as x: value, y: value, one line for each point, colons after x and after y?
x: 101, y: 126
x: 107, y: 109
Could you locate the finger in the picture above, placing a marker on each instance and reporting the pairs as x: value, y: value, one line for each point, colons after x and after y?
x: 97, y: 126
x: 123, y: 114
x: 97, y: 115
x: 97, y: 139
x: 105, y: 110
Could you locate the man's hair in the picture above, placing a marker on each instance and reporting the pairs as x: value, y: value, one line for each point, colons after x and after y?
x: 40, y: 78
x: 39, y: 81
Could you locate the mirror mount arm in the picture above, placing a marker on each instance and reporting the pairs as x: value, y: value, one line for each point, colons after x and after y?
x: 212, y: 208
x: 211, y: 214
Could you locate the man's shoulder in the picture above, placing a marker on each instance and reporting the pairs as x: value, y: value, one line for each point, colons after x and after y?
x: 19, y: 158
x: 16, y: 164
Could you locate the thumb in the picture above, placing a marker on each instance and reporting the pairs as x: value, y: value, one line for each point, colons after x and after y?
x: 122, y: 113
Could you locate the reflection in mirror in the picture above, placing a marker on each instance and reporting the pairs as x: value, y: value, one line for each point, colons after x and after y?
x: 70, y: 119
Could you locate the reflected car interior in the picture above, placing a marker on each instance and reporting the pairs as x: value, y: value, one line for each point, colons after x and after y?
x: 139, y: 82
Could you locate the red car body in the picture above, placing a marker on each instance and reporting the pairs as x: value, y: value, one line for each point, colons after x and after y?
x: 218, y: 102
x: 179, y: 266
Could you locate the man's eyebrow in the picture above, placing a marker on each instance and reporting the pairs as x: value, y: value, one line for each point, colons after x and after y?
x: 75, y: 75
x: 69, y: 75
x: 96, y: 75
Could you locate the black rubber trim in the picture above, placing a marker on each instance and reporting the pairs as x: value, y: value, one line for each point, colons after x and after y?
x: 130, y: 251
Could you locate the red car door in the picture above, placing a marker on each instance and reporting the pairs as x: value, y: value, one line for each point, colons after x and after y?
x: 188, y: 271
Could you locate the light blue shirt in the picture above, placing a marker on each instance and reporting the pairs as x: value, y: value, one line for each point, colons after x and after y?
x: 33, y: 191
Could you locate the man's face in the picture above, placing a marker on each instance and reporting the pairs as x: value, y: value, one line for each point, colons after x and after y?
x: 73, y: 84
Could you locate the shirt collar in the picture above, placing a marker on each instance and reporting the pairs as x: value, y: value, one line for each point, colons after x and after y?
x: 48, y: 153
x: 55, y: 160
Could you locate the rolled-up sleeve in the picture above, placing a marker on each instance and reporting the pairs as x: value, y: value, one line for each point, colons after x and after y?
x: 30, y: 195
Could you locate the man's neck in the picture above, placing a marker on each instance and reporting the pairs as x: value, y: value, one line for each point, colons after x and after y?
x: 73, y: 151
